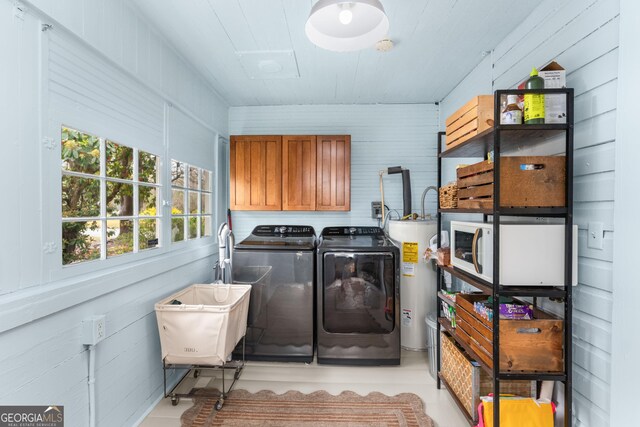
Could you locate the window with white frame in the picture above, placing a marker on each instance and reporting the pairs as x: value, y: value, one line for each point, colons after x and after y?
x: 191, y: 199
x: 110, y: 195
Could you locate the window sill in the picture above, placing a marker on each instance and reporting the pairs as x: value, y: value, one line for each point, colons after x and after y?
x: 27, y: 305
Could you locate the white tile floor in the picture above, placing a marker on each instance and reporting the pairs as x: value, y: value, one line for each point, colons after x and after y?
x: 411, y: 376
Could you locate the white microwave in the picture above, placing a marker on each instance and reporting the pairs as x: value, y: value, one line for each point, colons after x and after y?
x: 530, y: 254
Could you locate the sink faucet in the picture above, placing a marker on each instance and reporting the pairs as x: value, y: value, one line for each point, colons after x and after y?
x: 424, y: 193
x: 225, y: 253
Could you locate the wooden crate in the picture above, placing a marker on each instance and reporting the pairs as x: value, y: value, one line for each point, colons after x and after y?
x: 525, y: 181
x: 525, y: 345
x: 468, y: 381
x: 471, y: 119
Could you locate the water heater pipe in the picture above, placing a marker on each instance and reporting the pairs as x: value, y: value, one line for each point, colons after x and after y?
x: 382, y: 196
x: 424, y: 193
x: 406, y: 188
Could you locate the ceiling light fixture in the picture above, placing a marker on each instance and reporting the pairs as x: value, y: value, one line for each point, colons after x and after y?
x: 344, y: 26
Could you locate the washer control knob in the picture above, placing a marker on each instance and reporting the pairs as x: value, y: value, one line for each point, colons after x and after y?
x: 352, y: 230
x: 282, y: 229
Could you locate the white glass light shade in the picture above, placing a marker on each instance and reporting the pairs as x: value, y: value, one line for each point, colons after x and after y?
x: 368, y: 25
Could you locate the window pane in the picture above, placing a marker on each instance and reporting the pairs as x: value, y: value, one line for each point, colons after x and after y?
x: 177, y: 229
x: 193, y: 227
x: 206, y: 203
x: 206, y: 180
x: 119, y: 162
x: 80, y: 152
x: 193, y: 177
x: 119, y: 199
x: 147, y: 167
x: 80, y: 197
x: 119, y: 237
x: 205, y: 226
x: 177, y: 202
x: 177, y: 173
x: 148, y: 235
x: 147, y: 199
x: 193, y: 202
x: 80, y: 241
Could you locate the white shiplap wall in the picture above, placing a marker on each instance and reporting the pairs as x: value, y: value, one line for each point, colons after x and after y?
x: 42, y: 305
x: 381, y: 136
x: 117, y: 30
x: 583, y: 37
x: 626, y: 346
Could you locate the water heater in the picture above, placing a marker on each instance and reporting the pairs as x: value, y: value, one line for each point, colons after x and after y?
x: 417, y: 280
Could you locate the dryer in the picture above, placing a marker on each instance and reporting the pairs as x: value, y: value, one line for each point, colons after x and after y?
x: 358, y: 297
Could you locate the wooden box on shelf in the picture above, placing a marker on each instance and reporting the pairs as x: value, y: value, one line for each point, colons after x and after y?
x: 468, y: 381
x: 475, y: 117
x: 525, y: 181
x: 444, y: 256
x: 449, y: 196
x: 525, y: 345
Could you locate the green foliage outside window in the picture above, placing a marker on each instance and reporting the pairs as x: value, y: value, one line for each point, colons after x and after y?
x: 81, y: 154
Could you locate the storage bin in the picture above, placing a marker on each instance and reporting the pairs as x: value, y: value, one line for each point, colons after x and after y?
x: 448, y: 195
x: 473, y: 118
x: 259, y: 277
x: 525, y: 181
x: 468, y: 381
x: 432, y: 343
x: 206, y: 326
x: 525, y: 345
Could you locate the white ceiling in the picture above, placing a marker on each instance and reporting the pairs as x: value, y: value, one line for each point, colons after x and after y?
x: 437, y: 43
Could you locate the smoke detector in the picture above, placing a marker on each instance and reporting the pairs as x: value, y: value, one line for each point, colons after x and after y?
x: 384, y: 45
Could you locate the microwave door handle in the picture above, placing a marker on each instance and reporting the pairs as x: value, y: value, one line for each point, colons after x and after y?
x: 474, y: 250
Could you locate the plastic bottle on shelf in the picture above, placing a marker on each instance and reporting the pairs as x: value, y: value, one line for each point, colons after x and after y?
x: 534, y: 103
x: 511, y: 113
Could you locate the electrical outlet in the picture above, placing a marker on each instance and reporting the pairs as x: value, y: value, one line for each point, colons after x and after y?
x: 595, y: 235
x: 376, y: 210
x: 93, y: 330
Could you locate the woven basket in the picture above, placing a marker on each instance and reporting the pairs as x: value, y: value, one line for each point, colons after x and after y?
x: 469, y: 381
x: 449, y: 196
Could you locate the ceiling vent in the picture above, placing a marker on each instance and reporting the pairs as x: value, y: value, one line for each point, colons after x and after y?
x: 269, y: 64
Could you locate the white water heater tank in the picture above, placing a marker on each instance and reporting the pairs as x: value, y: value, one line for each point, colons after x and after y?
x: 417, y: 280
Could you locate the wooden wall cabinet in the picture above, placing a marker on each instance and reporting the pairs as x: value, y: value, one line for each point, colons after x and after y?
x: 333, y: 183
x: 299, y: 173
x: 290, y: 172
x: 256, y: 173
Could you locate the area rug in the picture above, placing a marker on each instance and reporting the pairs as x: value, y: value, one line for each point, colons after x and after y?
x: 318, y: 409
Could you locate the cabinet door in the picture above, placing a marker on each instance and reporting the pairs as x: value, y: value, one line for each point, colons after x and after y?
x: 255, y: 173
x: 333, y: 183
x: 298, y: 173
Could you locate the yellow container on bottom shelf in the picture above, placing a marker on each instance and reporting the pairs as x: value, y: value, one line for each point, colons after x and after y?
x: 518, y: 412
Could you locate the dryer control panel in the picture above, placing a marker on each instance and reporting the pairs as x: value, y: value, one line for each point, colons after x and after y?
x: 352, y: 231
